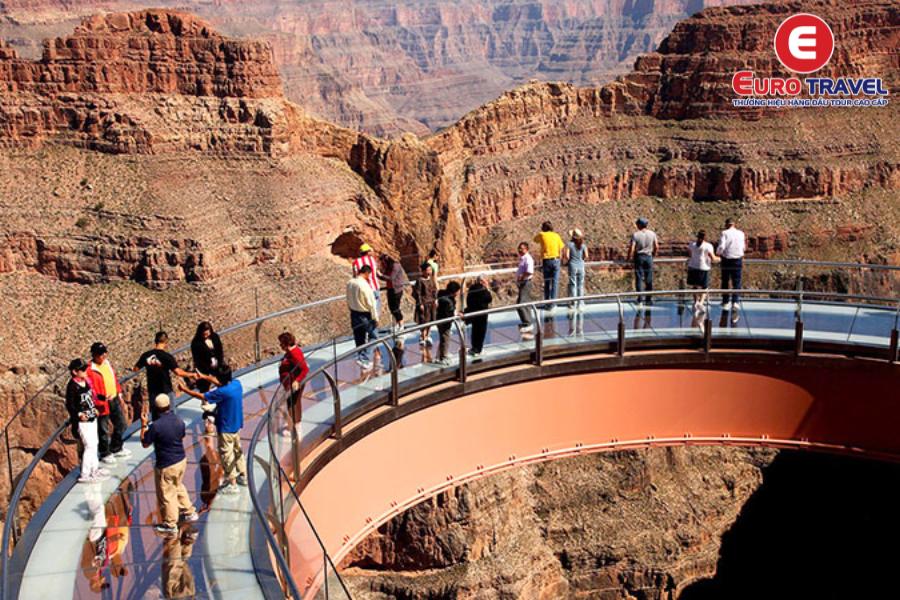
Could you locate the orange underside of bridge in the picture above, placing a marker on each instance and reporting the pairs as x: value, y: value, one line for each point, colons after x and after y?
x: 393, y: 468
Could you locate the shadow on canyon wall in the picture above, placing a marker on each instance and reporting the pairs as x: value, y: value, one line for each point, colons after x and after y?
x: 819, y: 526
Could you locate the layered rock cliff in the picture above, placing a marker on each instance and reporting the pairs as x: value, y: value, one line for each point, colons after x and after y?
x: 411, y: 65
x: 640, y: 524
x: 661, y: 524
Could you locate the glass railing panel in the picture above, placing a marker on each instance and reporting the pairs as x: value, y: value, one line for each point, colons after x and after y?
x: 828, y: 321
x: 363, y: 378
x: 311, y: 412
x: 872, y: 326
x: 502, y: 336
x: 332, y: 586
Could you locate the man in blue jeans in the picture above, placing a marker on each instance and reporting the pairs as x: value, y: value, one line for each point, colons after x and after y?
x: 644, y: 244
x: 551, y: 253
x: 732, y: 245
x: 363, y: 315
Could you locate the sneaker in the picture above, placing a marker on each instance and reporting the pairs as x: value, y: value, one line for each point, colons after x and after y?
x: 726, y: 306
x: 109, y: 460
x: 735, y: 317
x: 474, y: 352
x: 423, y: 342
x: 428, y: 342
x: 123, y: 453
x: 365, y: 365
x: 241, y: 480
x: 100, y: 475
x: 189, y: 517
x: 229, y: 489
x: 165, y: 530
x: 527, y: 335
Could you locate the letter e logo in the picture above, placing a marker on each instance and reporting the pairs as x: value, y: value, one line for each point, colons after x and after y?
x: 804, y: 43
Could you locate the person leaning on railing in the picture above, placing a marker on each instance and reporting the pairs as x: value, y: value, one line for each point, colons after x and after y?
x: 478, y: 298
x: 446, y: 308
x: 643, y: 245
x: 575, y: 255
x: 292, y: 370
x: 551, y: 252
x: 732, y: 245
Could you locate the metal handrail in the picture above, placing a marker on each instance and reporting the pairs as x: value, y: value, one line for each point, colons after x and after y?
x: 535, y: 307
x: 618, y: 296
x: 270, y: 538
x: 446, y: 277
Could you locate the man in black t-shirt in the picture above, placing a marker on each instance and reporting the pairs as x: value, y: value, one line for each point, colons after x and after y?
x: 160, y: 365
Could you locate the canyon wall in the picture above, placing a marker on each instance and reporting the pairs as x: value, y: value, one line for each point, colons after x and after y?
x: 638, y: 524
x: 410, y: 65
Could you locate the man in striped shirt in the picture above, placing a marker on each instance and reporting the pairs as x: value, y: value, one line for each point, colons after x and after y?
x: 367, y: 257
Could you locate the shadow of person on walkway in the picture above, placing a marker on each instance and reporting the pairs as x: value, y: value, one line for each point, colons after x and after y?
x: 819, y: 526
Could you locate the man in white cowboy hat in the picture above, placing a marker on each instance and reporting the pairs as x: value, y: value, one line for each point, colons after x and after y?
x: 575, y: 255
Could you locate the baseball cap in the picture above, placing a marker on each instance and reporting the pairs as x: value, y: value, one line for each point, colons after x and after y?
x: 642, y: 222
x: 77, y: 364
x: 98, y: 348
x: 365, y: 248
x: 161, y: 401
x: 576, y: 233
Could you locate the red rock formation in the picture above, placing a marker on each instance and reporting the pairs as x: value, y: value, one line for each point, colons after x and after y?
x: 415, y: 65
x: 690, y: 75
x: 148, y: 52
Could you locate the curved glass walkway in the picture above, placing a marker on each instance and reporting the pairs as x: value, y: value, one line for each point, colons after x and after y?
x: 97, y: 540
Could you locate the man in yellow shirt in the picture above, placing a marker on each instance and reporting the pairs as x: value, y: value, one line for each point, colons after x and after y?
x: 551, y: 251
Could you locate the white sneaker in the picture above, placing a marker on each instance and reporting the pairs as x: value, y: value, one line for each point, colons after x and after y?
x: 229, y: 489
x: 123, y: 453
x: 95, y: 477
x: 189, y: 517
x: 726, y: 306
x: 109, y: 460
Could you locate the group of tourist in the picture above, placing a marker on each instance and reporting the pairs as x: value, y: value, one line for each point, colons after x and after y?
x: 97, y: 411
x: 434, y: 304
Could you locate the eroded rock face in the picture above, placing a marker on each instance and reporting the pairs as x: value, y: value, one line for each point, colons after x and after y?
x: 418, y: 65
x: 147, y: 52
x: 624, y: 525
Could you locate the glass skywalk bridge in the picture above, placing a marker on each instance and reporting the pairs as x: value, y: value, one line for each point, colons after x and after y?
x: 93, y: 540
